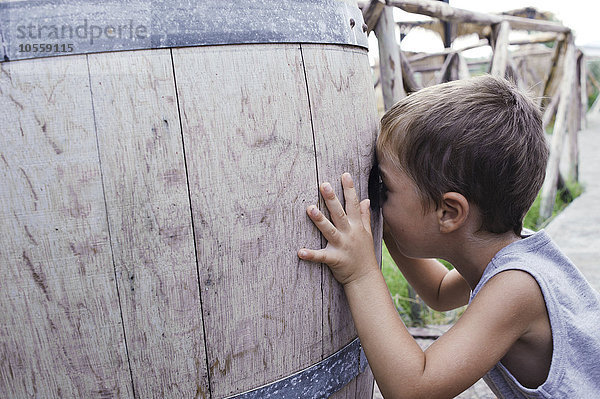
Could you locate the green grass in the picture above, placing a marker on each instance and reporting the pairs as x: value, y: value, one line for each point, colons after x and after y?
x: 412, y: 310
x: 531, y: 218
x: 396, y: 284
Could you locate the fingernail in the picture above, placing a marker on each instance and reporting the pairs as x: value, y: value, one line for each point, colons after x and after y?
x: 302, y: 253
x: 314, y: 211
x: 327, y: 188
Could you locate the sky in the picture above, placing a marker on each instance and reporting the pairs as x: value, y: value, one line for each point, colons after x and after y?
x: 580, y: 15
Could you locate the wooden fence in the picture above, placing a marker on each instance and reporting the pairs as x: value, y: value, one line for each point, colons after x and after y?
x: 560, y: 86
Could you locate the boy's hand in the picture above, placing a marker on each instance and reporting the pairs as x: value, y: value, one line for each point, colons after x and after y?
x: 349, y: 252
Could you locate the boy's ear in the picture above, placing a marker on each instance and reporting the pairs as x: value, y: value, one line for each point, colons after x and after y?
x: 453, y: 212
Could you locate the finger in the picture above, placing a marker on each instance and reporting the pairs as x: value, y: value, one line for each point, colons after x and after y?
x: 329, y: 231
x: 315, y: 255
x: 352, y: 202
x: 338, y: 215
x: 365, y: 214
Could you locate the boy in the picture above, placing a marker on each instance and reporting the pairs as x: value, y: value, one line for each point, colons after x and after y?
x: 462, y: 162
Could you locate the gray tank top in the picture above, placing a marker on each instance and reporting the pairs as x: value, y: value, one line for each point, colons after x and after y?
x: 574, y: 310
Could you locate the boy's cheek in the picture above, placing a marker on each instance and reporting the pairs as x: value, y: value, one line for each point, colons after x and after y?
x: 385, y: 208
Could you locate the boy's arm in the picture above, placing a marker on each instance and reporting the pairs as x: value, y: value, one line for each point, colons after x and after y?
x: 480, y: 339
x: 482, y: 336
x: 440, y: 288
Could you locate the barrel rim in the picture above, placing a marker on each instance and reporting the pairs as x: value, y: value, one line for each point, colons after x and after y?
x: 47, y: 28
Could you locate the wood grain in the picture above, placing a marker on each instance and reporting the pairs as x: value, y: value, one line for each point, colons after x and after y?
x: 345, y: 128
x: 574, y: 124
x: 548, y: 192
x: 390, y: 65
x: 551, y: 82
x: 251, y: 164
x: 94, y: 165
x: 150, y: 221
x: 500, y: 45
x: 583, y: 106
x: 60, y: 325
x: 365, y: 384
x: 446, y: 12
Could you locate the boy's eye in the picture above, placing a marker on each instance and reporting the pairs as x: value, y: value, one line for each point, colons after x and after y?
x: 377, y: 189
x: 382, y: 191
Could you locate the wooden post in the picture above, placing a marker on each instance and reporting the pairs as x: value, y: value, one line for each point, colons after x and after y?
x: 537, y: 38
x: 371, y: 13
x: 552, y: 170
x: 550, y: 110
x: 575, y: 122
x: 500, y: 45
x: 408, y: 75
x: 533, y: 39
x: 389, y: 59
x: 583, y: 84
x: 513, y: 73
x: 444, y: 73
x: 556, y: 55
x: 446, y: 51
x: 448, y: 35
x: 447, y: 13
x: 521, y: 67
x: 574, y: 125
x: 453, y: 68
x: 463, y: 67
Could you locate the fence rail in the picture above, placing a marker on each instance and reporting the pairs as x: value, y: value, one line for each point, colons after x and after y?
x: 562, y: 87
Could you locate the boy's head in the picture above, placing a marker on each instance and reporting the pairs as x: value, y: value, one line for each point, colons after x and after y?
x: 479, y: 137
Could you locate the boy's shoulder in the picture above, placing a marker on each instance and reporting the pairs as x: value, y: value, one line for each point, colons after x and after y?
x: 572, y: 306
x: 531, y: 254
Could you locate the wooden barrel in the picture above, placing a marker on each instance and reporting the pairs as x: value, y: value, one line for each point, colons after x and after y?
x: 153, y: 196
